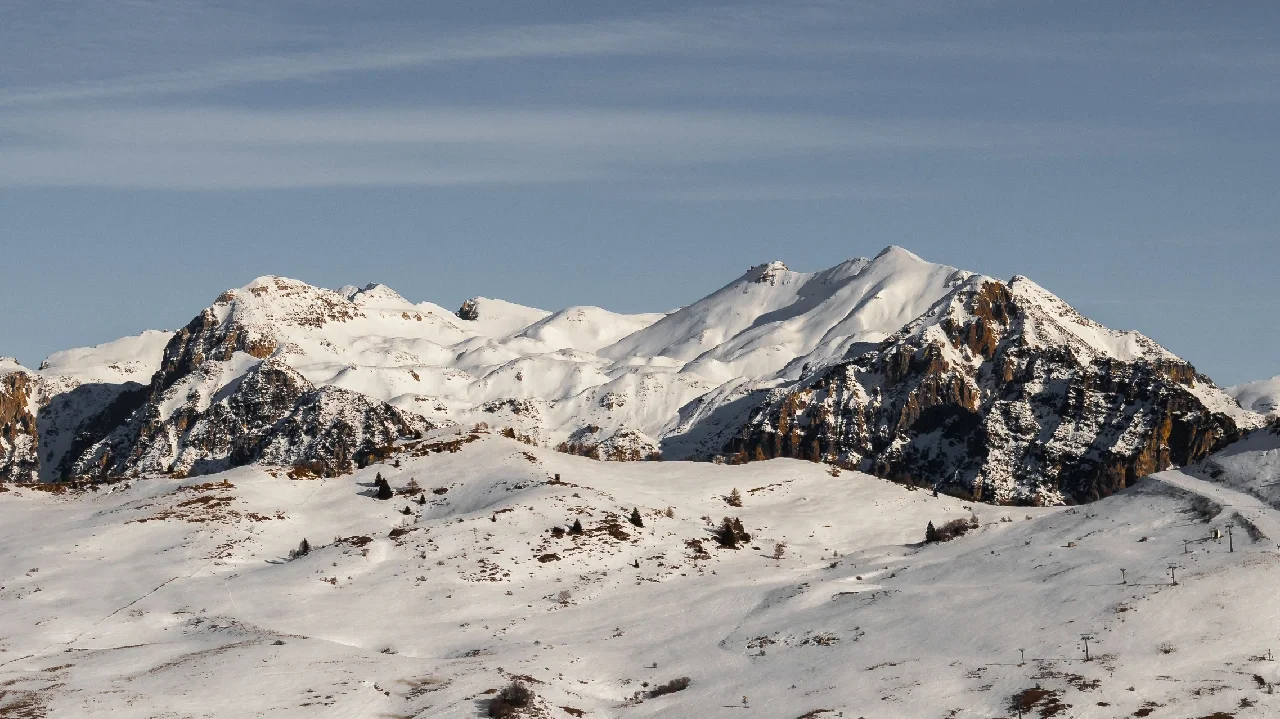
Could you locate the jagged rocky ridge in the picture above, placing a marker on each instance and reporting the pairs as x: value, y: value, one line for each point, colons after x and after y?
x: 189, y: 422
x: 1002, y: 392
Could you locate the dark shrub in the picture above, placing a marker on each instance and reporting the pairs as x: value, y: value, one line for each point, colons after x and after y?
x: 635, y: 517
x: 499, y: 708
x: 304, y: 548
x: 731, y: 532
x: 947, y: 532
x: 671, y: 687
x: 516, y: 694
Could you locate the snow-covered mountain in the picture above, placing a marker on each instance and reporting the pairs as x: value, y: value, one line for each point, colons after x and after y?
x: 354, y: 370
x: 1004, y: 393
x: 1262, y: 396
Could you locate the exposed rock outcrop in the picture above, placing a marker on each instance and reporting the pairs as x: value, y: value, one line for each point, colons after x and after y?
x: 629, y: 445
x: 271, y: 414
x: 469, y: 311
x: 224, y: 396
x: 1002, y: 392
x: 19, y: 439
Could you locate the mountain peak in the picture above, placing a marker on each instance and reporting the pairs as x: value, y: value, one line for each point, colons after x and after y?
x: 894, y: 251
x: 769, y: 272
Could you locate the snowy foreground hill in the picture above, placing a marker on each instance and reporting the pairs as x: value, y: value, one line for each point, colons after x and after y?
x: 465, y: 530
x: 165, y: 597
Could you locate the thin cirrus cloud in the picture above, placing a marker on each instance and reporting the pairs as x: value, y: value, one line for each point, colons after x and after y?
x: 234, y: 53
x: 682, y: 34
x: 221, y: 148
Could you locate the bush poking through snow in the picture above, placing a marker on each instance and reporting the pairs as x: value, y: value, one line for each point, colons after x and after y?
x: 779, y: 549
x: 675, y: 685
x: 516, y: 695
x: 576, y: 528
x: 947, y: 532
x: 734, y: 499
x: 635, y: 517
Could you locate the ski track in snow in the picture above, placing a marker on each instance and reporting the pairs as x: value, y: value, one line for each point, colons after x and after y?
x: 1250, y: 507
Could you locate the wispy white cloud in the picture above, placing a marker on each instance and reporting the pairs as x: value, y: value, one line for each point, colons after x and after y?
x: 791, y: 192
x: 548, y: 41
x: 113, y: 49
x: 221, y: 148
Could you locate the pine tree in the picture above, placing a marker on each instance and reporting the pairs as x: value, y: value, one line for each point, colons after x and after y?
x: 635, y: 517
x: 725, y: 534
x: 576, y: 528
x: 734, y: 499
x: 384, y: 489
x: 930, y: 534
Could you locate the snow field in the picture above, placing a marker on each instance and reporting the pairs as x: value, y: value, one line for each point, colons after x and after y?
x: 181, y: 614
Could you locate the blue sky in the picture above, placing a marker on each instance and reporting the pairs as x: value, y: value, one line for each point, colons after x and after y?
x: 637, y: 156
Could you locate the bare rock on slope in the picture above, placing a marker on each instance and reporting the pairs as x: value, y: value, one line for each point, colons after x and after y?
x: 1003, y: 392
x: 271, y: 414
x: 19, y: 439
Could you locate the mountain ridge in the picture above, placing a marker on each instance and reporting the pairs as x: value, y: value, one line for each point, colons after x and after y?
x: 688, y: 384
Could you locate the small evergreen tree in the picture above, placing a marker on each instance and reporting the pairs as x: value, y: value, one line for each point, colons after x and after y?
x: 304, y: 548
x: 384, y: 489
x: 725, y: 535
x: 576, y: 529
x: 930, y: 533
x: 635, y: 517
x: 734, y: 499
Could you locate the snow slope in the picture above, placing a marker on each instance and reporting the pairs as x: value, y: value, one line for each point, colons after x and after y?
x: 128, y: 359
x: 164, y: 597
x: 1262, y: 396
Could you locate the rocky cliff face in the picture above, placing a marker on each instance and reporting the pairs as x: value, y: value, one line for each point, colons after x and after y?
x: 19, y: 439
x: 1002, y: 392
x: 224, y: 396
x: 271, y: 414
